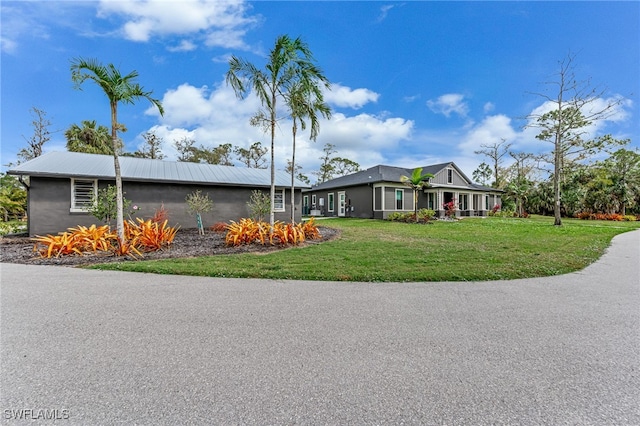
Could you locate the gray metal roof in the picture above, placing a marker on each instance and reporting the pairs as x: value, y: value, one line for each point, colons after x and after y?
x: 75, y: 164
x: 383, y: 173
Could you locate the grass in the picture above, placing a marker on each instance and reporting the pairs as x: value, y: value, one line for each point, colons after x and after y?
x: 373, y: 250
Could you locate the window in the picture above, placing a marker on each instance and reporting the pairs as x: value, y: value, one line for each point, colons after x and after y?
x: 463, y: 202
x: 82, y: 192
x: 313, y: 201
x: 278, y: 205
x: 431, y: 204
x: 399, y: 199
x: 330, y: 201
x: 449, y: 176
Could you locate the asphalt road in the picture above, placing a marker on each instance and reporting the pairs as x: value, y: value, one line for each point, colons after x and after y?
x: 103, y: 348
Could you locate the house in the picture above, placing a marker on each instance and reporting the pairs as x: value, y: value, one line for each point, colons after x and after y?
x: 61, y: 186
x: 378, y: 191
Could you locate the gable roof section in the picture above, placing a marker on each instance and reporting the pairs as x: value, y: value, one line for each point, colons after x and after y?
x: 382, y: 173
x: 81, y: 165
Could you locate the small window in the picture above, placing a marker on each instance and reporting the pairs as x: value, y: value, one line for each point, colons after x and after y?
x: 463, y: 202
x: 330, y: 201
x: 313, y: 201
x: 278, y: 204
x: 431, y: 200
x: 399, y: 199
x: 449, y: 176
x: 82, y: 193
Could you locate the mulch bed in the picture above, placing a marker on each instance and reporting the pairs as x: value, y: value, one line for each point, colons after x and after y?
x: 187, y: 243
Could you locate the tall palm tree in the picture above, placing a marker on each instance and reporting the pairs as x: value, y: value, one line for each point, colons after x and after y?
x: 305, y: 100
x: 289, y: 62
x: 118, y: 88
x: 416, y: 181
x: 90, y: 138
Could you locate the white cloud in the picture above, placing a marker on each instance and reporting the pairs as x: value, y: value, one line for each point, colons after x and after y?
x: 618, y: 112
x: 8, y: 45
x: 384, y: 11
x: 488, y: 107
x: 231, y: 39
x: 149, y: 18
x: 212, y: 116
x: 491, y: 130
x: 345, y: 97
x: 449, y: 103
x: 184, y: 46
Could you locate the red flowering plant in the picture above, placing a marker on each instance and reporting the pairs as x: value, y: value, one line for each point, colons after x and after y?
x: 450, y: 208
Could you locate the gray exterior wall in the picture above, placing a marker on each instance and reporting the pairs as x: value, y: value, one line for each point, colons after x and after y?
x: 442, y: 178
x: 49, y: 203
x: 358, y: 199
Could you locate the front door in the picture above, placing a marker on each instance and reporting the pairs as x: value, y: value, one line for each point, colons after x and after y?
x: 342, y: 203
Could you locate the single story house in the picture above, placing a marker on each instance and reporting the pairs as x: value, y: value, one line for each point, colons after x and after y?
x: 378, y: 191
x: 60, y: 187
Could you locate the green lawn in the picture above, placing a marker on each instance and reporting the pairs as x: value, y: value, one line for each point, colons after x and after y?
x: 372, y: 250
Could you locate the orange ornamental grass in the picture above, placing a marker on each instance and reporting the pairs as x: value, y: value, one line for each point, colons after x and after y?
x: 248, y: 231
x: 143, y: 236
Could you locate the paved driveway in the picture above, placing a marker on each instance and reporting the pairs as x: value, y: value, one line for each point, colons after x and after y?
x: 92, y: 347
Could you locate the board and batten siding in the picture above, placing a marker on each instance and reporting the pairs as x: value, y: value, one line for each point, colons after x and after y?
x: 442, y: 178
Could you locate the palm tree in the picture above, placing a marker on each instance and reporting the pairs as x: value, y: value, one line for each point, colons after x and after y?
x: 304, y: 100
x: 290, y: 61
x: 89, y: 138
x: 416, y: 181
x: 118, y: 88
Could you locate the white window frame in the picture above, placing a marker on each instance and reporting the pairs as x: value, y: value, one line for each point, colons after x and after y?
x: 431, y: 200
x: 313, y: 201
x: 401, y: 191
x: 279, y: 206
x: 330, y: 202
x: 76, y: 205
x: 449, y: 176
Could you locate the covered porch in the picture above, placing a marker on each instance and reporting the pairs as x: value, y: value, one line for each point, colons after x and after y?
x: 468, y: 203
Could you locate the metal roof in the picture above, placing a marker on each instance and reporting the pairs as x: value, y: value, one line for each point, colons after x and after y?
x: 81, y: 165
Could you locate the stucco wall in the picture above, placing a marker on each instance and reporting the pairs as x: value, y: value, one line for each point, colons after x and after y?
x: 50, y: 202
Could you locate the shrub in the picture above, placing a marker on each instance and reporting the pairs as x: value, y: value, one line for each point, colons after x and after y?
x: 450, y: 208
x: 426, y: 214
x: 395, y: 216
x: 249, y: 231
x: 160, y: 215
x: 149, y: 235
x: 310, y: 230
x: 198, y: 204
x: 259, y: 205
x: 219, y: 227
x: 143, y: 236
x: 62, y: 244
x: 103, y: 204
x: 629, y: 218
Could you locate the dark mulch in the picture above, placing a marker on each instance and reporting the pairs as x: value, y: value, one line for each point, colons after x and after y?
x: 187, y: 243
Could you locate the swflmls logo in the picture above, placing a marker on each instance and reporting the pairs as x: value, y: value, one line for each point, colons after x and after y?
x: 32, y: 414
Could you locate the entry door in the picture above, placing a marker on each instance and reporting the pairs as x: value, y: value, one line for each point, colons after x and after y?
x: 342, y: 201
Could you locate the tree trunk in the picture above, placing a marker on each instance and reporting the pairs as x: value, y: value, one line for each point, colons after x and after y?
x: 293, y: 173
x: 118, y: 173
x: 273, y: 166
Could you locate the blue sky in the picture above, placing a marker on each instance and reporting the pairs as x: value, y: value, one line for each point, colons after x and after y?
x: 414, y: 83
